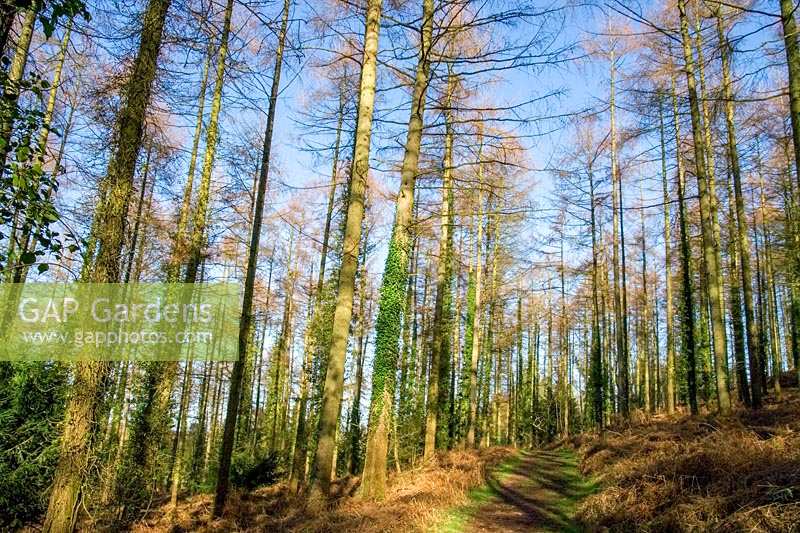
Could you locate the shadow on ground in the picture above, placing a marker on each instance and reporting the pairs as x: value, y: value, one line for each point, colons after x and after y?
x: 539, y: 492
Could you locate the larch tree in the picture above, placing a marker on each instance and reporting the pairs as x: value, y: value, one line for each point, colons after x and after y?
x: 395, y: 278
x: 334, y: 375
x: 246, y: 321
x: 710, y: 251
x: 110, y: 221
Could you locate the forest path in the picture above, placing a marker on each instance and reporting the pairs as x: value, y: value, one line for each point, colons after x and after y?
x: 535, y: 491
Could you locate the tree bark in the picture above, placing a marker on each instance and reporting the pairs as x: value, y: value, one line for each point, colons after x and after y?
x: 478, y: 308
x: 80, y: 416
x: 686, y: 270
x: 441, y: 319
x: 334, y: 376
x: 743, y: 241
x: 620, y: 306
x: 246, y: 322
x: 395, y: 278
x: 710, y: 250
x: 669, y: 392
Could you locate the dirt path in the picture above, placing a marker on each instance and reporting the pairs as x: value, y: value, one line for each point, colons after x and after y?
x: 536, y: 491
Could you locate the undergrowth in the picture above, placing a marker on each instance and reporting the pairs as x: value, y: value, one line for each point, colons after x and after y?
x: 415, y: 499
x: 705, y: 473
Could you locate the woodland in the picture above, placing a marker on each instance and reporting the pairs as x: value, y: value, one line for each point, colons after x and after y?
x: 504, y: 265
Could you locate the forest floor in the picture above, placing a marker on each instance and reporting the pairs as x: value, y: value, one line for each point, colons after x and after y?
x: 534, y: 491
x: 416, y: 499
x: 739, y: 472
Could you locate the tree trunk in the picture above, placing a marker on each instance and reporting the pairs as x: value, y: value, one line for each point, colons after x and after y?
x: 620, y: 305
x: 645, y: 344
x: 596, y: 362
x: 395, y: 278
x: 793, y: 66
x: 710, y: 249
x: 246, y: 323
x: 334, y: 376
x: 440, y: 346
x: 669, y: 392
x: 475, y: 342
x: 110, y: 215
x: 686, y: 273
x: 159, y: 380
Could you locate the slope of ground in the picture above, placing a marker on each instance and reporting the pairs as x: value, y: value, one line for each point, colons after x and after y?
x: 534, y: 491
x: 705, y: 473
x: 415, y: 499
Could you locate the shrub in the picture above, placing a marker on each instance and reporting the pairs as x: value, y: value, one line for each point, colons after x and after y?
x: 250, y: 472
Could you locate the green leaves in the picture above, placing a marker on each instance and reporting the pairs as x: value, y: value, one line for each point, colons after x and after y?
x: 59, y: 9
x: 26, y: 189
x: 28, y: 258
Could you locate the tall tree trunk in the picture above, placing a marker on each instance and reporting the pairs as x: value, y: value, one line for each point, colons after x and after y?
x: 334, y: 376
x: 710, y: 250
x: 246, y: 322
x: 669, y: 392
x: 154, y: 404
x: 645, y: 345
x: 395, y: 278
x: 793, y: 66
x: 475, y: 342
x: 620, y: 316
x: 753, y: 395
x: 686, y: 272
x: 720, y: 342
x: 596, y: 362
x: 80, y: 416
x: 441, y: 316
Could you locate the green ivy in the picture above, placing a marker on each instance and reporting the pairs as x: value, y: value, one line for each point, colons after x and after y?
x: 387, y: 327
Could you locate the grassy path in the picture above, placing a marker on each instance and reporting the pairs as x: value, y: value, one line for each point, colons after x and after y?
x: 535, y: 491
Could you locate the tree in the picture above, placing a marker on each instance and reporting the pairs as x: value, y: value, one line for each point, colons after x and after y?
x: 743, y: 242
x: 245, y: 324
x: 109, y: 221
x: 710, y: 248
x: 395, y: 278
x: 334, y: 377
